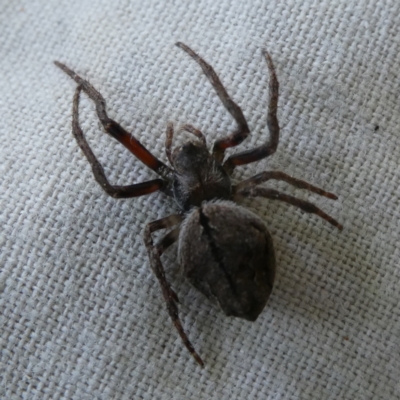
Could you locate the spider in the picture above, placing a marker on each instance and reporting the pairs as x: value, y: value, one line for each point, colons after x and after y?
x: 225, y: 251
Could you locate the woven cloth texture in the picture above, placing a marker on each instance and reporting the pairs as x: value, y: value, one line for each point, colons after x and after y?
x: 82, y: 315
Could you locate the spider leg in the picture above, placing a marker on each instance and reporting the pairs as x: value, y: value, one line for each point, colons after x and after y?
x: 281, y: 176
x: 303, y: 205
x: 170, y: 135
x: 195, y: 131
x: 169, y: 239
x: 168, y: 142
x: 116, y: 130
x: 242, y: 131
x: 138, y: 189
x: 268, y: 148
x: 169, y: 295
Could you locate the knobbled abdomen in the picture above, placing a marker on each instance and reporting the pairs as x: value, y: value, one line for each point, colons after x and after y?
x: 227, y: 254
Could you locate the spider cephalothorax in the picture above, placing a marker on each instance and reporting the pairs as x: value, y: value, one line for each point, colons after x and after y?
x: 225, y: 250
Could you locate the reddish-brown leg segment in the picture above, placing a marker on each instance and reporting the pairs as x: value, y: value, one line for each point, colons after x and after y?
x: 138, y: 189
x: 303, y: 205
x: 243, y: 130
x: 116, y: 130
x: 169, y: 295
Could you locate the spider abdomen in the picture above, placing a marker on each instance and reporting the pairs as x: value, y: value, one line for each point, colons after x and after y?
x: 227, y: 254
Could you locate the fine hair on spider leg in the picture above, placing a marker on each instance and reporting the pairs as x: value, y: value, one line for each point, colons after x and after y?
x: 225, y: 251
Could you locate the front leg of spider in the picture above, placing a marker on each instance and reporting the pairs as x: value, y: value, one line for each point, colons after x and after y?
x: 135, y: 190
x: 112, y: 127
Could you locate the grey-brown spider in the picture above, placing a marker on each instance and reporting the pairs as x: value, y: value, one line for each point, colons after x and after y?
x: 225, y: 250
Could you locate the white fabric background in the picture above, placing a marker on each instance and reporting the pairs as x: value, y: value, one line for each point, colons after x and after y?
x: 81, y: 313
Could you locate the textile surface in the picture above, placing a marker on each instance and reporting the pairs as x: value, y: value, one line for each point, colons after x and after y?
x: 82, y: 315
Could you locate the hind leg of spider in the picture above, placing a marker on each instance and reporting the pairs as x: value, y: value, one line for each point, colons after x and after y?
x: 169, y: 239
x: 281, y: 176
x: 269, y: 147
x: 303, y: 205
x: 114, y: 129
x: 138, y: 189
x: 242, y: 130
x: 169, y: 295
